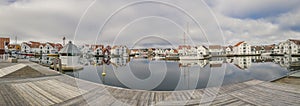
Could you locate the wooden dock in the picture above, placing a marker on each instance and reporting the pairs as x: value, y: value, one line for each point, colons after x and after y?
x: 48, y: 87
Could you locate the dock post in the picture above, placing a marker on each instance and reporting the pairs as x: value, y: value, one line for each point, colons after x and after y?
x: 55, y: 64
x: 60, y: 65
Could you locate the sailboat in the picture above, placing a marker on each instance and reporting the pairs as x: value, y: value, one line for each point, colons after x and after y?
x: 188, y: 52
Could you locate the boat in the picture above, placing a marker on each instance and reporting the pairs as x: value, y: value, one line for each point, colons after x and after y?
x: 191, y: 57
x: 266, y: 54
x: 52, y: 54
x: 172, y: 57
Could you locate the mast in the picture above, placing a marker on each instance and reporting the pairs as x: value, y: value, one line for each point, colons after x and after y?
x: 16, y: 39
x: 64, y: 40
x: 186, y: 33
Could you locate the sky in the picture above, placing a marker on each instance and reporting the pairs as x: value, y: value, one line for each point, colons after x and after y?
x: 151, y: 23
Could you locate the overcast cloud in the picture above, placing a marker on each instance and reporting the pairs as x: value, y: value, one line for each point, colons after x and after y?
x: 159, y: 23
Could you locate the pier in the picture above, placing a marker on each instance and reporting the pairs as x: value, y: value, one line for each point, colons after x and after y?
x: 27, y: 83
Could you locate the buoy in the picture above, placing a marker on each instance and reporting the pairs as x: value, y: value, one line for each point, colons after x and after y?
x: 103, y: 74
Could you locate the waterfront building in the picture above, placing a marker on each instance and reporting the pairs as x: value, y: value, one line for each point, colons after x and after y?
x: 4, y: 42
x: 97, y: 49
x: 37, y: 47
x: 119, y: 50
x: 184, y: 50
x: 290, y: 46
x: 159, y: 51
x: 216, y: 50
x: 170, y: 51
x: 242, y: 48
x: 134, y: 51
x: 51, y: 48
x: 268, y: 48
x: 25, y: 47
x: 229, y: 50
x: 256, y: 49
x: 202, y: 50
x: 86, y: 49
x: 190, y: 53
x: 34, y: 47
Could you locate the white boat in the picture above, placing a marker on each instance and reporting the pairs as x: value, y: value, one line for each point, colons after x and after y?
x: 265, y: 54
x: 191, y: 57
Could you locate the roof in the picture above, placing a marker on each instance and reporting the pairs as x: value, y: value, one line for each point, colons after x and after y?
x: 94, y: 47
x: 297, y: 42
x: 134, y: 50
x: 118, y: 46
x: 51, y: 44
x: 34, y: 44
x: 230, y: 47
x: 184, y: 46
x: 175, y: 51
x: 204, y: 47
x: 269, y: 47
x: 70, y: 48
x: 13, y: 45
x: 256, y: 48
x: 239, y: 43
x: 215, y: 47
x: 58, y: 46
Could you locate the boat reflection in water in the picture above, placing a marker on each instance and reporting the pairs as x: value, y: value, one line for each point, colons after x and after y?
x: 161, y: 75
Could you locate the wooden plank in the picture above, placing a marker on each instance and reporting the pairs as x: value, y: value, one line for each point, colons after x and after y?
x: 8, y: 70
x: 32, y: 97
x: 9, y: 96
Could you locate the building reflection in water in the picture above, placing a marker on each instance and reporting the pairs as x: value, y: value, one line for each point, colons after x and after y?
x: 242, y: 63
x: 182, y: 74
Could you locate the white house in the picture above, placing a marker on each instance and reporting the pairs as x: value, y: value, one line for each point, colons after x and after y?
x: 51, y: 48
x: 25, y: 47
x: 216, y: 50
x: 119, y: 50
x: 199, y: 50
x: 159, y: 51
x: 97, y: 49
x: 229, y: 50
x: 86, y: 49
x: 30, y: 47
x: 184, y: 50
x: 242, y: 48
x: 288, y: 47
x: 37, y: 47
x: 256, y: 50
x: 170, y: 51
x: 202, y: 50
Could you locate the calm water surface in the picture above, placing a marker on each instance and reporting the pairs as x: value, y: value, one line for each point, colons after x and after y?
x: 160, y: 75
